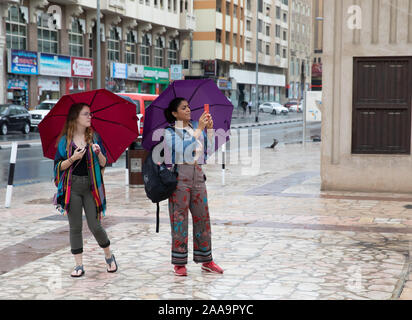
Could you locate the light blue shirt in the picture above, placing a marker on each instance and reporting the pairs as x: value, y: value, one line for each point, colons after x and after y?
x: 180, y: 145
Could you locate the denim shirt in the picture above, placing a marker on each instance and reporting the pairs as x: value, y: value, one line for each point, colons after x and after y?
x: 180, y: 145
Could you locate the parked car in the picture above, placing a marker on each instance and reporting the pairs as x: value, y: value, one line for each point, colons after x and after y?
x: 296, y: 108
x: 273, y: 107
x: 40, y: 112
x: 142, y: 101
x: 290, y: 103
x: 14, y: 117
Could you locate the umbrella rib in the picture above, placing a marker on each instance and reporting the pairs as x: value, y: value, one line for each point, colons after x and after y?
x: 197, y: 88
x: 91, y: 103
x: 71, y: 99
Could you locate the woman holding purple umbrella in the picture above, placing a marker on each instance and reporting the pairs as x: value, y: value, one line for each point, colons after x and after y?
x: 186, y: 146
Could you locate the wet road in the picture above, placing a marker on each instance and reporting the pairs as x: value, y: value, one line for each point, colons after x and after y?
x: 32, y: 167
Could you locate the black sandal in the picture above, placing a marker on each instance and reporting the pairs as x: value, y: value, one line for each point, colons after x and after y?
x: 77, y: 270
x: 109, y: 263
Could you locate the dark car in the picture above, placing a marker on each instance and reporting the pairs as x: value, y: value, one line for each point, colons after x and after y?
x: 14, y: 117
x: 290, y: 103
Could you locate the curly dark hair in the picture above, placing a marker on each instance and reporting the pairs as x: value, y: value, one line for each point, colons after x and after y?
x: 173, y: 105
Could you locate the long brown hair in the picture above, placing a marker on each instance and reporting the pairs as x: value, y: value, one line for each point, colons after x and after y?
x: 70, y: 125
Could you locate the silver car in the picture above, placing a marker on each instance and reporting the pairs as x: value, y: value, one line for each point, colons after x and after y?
x: 273, y: 107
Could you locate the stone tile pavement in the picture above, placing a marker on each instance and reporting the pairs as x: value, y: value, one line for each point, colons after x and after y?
x: 276, y: 235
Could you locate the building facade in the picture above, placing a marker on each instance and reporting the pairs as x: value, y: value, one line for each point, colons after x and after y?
x: 317, y: 45
x: 50, y: 47
x: 300, y: 48
x: 367, y: 97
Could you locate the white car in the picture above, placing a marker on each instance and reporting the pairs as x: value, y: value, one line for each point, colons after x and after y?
x: 273, y: 107
x: 40, y: 112
x: 296, y: 108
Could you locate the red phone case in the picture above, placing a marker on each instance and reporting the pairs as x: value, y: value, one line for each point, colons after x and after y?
x: 206, y: 108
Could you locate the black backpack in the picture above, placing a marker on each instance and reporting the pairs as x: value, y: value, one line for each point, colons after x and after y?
x: 159, y: 182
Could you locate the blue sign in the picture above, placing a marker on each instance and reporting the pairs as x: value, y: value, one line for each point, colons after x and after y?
x: 118, y: 70
x: 55, y: 65
x: 22, y: 62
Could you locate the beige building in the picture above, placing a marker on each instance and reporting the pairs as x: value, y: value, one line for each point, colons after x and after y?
x: 300, y: 48
x: 366, y: 119
x: 317, y: 63
x: 140, y: 39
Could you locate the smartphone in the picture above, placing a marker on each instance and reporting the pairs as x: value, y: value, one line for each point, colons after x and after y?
x: 207, y: 108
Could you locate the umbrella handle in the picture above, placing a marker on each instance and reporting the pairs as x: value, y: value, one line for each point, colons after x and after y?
x: 139, y: 117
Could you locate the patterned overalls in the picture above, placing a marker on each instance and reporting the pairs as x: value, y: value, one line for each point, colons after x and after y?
x: 190, y: 195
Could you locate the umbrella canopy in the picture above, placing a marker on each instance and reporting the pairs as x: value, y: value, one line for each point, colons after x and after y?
x: 114, y: 119
x: 197, y: 93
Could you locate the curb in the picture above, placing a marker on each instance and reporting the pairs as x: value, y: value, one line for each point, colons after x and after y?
x: 21, y: 146
x: 248, y: 125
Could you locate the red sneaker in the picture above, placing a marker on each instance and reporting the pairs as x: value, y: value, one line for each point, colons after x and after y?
x: 212, y: 267
x: 180, y: 271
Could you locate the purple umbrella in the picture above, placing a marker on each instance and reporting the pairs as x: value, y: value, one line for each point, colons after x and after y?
x: 197, y: 93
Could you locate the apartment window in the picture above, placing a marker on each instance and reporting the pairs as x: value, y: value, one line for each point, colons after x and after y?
x: 277, y: 49
x: 16, y: 29
x: 218, y: 36
x: 235, y: 11
x: 248, y: 25
x: 228, y: 12
x: 268, y: 30
x: 260, y: 25
x: 47, y: 39
x: 90, y: 45
x: 248, y: 44
x: 260, y: 6
x: 76, y: 40
x: 218, y: 6
x: 278, y: 13
x: 267, y: 50
x: 113, y: 45
x: 285, y: 18
x: 260, y: 45
x: 130, y: 48
x: 172, y: 53
x: 158, y: 53
x: 285, y: 36
x: 145, y: 51
x: 248, y: 6
x: 284, y: 54
x: 277, y: 31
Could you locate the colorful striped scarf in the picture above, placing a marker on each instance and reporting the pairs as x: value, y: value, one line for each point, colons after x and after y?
x: 63, y: 178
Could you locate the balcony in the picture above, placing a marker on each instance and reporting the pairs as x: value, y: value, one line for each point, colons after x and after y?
x: 187, y: 21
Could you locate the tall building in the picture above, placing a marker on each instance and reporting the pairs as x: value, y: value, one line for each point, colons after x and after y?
x: 224, y: 46
x: 300, y: 48
x: 49, y: 48
x: 317, y: 63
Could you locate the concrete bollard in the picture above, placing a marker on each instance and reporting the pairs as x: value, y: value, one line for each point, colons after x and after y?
x: 13, y: 157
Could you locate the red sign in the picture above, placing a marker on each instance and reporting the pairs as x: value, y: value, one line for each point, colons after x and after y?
x: 82, y: 67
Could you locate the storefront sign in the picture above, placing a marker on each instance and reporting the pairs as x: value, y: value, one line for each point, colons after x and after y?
x: 22, y: 62
x: 17, y: 84
x: 82, y: 67
x: 156, y: 75
x: 55, y: 65
x: 224, y: 84
x: 48, y: 84
x: 209, y: 67
x: 176, y: 72
x: 118, y: 70
x: 135, y: 71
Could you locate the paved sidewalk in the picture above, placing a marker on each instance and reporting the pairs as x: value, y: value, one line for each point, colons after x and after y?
x: 276, y: 235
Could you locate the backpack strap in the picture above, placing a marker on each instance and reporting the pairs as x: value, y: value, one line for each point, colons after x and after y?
x: 157, y: 217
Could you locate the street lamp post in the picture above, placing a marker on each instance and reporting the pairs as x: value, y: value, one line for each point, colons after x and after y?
x: 98, y: 58
x: 257, y: 63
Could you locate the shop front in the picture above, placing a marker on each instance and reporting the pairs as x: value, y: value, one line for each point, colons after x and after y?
x: 21, y: 65
x: 135, y: 74
x: 82, y: 73
x: 155, y: 81
x: 118, y: 76
x: 55, y: 71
